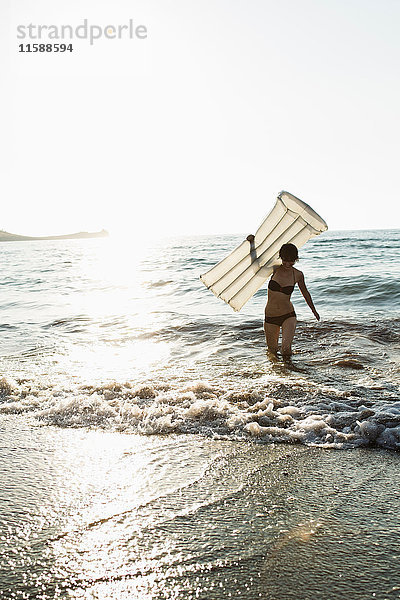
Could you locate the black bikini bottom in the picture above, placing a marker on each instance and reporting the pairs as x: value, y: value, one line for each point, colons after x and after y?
x: 279, y: 320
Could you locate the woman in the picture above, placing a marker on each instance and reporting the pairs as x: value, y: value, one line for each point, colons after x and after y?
x: 279, y: 311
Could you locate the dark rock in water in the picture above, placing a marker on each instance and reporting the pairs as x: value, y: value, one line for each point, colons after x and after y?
x: 349, y: 364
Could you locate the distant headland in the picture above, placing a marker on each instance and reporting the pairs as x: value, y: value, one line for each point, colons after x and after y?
x: 12, y: 237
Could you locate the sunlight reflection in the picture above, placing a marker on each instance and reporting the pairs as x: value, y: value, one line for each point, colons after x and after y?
x: 105, y: 362
x: 107, y: 487
x: 113, y: 280
x: 115, y: 262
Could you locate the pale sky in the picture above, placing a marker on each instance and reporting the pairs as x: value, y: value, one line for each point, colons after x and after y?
x: 197, y: 128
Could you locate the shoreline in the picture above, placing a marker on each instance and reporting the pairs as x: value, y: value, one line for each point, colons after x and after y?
x: 122, y: 516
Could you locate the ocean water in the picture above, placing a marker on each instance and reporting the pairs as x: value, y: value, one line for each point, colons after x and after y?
x: 151, y: 449
x: 128, y: 339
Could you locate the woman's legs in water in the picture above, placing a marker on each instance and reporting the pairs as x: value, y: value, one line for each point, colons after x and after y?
x: 288, y: 329
x: 271, y: 336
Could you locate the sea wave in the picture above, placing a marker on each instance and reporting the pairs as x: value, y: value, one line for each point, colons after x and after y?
x: 271, y: 414
x: 362, y: 288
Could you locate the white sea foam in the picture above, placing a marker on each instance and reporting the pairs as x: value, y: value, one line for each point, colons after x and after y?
x: 210, y: 410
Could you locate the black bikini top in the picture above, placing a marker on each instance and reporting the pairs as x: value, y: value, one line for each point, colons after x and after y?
x: 287, y: 289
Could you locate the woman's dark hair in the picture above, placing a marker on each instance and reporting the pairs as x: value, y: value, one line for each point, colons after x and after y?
x: 289, y: 252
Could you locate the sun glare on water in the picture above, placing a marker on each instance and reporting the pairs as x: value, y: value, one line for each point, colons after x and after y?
x: 106, y: 362
x: 120, y: 316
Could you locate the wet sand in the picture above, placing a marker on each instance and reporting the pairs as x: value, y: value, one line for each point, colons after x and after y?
x: 92, y: 514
